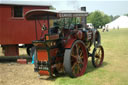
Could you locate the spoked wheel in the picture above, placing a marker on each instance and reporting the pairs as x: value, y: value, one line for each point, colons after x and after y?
x: 98, y: 56
x: 75, y: 59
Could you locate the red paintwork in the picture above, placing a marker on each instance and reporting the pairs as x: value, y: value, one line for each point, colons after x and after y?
x: 85, y: 60
x: 44, y: 53
x: 69, y: 43
x: 22, y: 61
x: 53, y: 52
x: 80, y: 34
x: 42, y: 37
x: 11, y: 50
x: 43, y: 72
x: 18, y: 30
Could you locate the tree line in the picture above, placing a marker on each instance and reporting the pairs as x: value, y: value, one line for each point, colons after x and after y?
x: 99, y: 18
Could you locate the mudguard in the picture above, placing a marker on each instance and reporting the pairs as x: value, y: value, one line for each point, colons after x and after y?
x: 97, y: 39
x: 69, y: 43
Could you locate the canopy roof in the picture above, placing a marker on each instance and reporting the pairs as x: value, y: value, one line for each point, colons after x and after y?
x: 53, y: 14
x: 23, y: 3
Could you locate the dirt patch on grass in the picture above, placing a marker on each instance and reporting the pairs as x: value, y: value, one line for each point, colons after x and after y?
x: 21, y: 74
x: 12, y: 73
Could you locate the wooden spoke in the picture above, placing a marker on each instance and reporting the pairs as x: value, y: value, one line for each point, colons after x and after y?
x: 74, y: 65
x: 99, y: 52
x: 74, y: 56
x: 77, y: 49
x: 81, y: 54
x: 97, y: 61
x: 75, y: 59
x: 81, y: 63
x: 78, y: 68
x: 98, y: 56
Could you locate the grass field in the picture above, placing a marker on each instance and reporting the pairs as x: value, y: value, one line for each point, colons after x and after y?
x: 115, y: 67
x: 114, y: 70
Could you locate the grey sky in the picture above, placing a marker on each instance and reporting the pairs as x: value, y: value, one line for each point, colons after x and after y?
x: 110, y: 7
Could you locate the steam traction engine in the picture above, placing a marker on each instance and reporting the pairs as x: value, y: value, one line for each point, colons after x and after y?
x: 65, y: 47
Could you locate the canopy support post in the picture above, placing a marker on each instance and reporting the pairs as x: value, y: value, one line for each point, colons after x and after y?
x: 36, y: 28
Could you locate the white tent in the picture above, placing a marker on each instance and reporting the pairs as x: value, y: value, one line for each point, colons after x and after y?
x: 121, y: 22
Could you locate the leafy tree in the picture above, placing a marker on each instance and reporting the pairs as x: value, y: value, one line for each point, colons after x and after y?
x: 126, y: 14
x: 89, y: 18
x: 52, y: 8
x: 98, y: 18
x: 111, y: 18
x: 95, y: 18
x: 115, y: 17
x: 106, y: 19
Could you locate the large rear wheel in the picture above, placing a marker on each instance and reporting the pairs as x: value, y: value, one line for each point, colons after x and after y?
x: 75, y: 59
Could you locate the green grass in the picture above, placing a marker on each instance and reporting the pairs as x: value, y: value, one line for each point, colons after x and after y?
x: 114, y: 70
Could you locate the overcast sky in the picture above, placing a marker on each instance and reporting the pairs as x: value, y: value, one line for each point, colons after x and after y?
x: 110, y: 7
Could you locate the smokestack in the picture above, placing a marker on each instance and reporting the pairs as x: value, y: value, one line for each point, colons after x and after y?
x: 83, y: 20
x: 83, y: 8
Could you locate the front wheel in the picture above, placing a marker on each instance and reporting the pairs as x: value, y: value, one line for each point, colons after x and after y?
x: 98, y: 56
x: 75, y: 59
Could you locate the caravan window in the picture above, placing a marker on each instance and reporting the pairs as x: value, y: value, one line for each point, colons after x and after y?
x: 17, y: 11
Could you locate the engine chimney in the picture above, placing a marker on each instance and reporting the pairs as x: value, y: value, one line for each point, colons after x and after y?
x: 83, y: 19
x: 83, y: 8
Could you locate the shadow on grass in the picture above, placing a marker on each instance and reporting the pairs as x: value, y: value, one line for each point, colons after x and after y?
x: 7, y: 59
x: 91, y: 68
x: 54, y: 78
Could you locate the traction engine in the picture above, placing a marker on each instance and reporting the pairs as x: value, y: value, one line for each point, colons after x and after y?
x: 65, y: 47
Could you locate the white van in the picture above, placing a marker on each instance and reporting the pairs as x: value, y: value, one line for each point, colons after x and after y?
x: 90, y: 25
